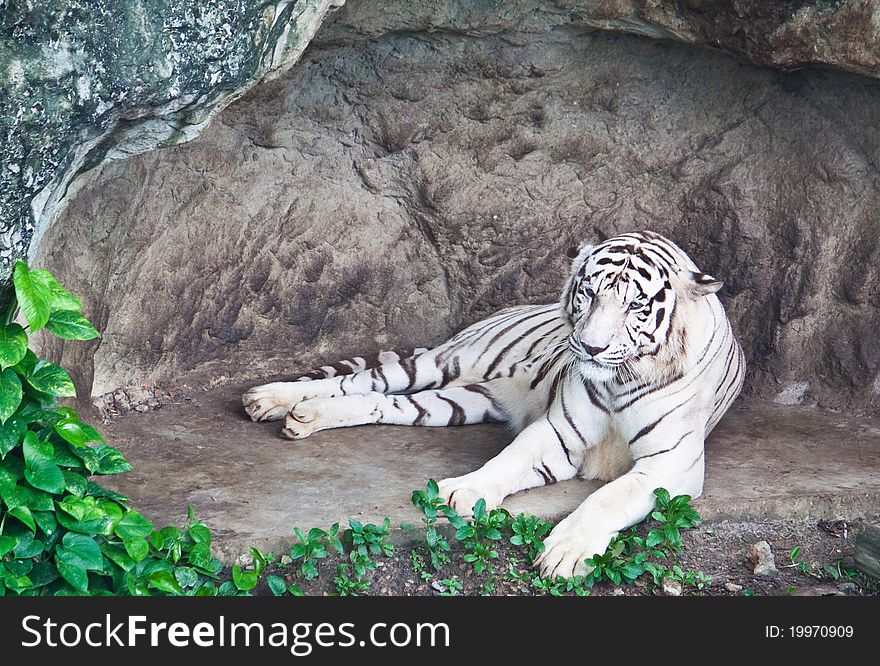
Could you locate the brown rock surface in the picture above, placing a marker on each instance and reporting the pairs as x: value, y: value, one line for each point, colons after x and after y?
x: 786, y: 35
x: 388, y: 192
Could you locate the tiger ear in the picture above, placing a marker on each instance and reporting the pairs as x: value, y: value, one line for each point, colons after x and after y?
x: 702, y: 284
x: 580, y: 253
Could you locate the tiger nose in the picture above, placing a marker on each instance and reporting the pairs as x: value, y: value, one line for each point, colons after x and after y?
x: 595, y: 351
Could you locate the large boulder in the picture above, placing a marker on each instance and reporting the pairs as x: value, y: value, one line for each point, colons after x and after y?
x: 388, y: 191
x: 87, y: 81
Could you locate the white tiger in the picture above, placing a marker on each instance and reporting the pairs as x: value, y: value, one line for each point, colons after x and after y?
x: 621, y: 381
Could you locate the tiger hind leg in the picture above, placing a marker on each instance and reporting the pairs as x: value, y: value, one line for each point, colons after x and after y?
x: 458, y: 405
x: 385, y: 373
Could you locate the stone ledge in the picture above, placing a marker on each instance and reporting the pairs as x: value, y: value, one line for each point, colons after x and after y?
x: 253, y: 488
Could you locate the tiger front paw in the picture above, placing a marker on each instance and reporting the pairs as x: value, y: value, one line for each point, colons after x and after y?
x: 462, y: 493
x: 568, y: 545
x: 301, y: 421
x: 269, y: 402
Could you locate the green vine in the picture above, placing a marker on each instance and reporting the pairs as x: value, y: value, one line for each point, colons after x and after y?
x: 60, y: 532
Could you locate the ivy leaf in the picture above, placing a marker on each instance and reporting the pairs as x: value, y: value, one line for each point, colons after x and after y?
x: 40, y: 468
x: 11, y: 434
x: 200, y: 533
x: 244, y: 580
x: 200, y: 558
x: 10, y: 393
x: 25, y: 516
x: 80, y: 508
x: 81, y: 515
x: 77, y: 433
x: 8, y: 479
x: 76, y: 576
x: 137, y: 548
x: 277, y: 584
x: 51, y: 379
x: 26, y: 547
x: 7, y: 543
x: 110, y: 461
x: 46, y: 521
x: 113, y: 514
x: 137, y: 588
x: 118, y: 555
x: 45, y: 475
x: 164, y: 581
x: 71, y: 325
x: 35, y: 500
x: 13, y: 345
x: 99, y: 491
x: 133, y: 525
x: 33, y: 296
x: 59, y: 297
x: 74, y: 483
x: 80, y: 551
x: 186, y: 576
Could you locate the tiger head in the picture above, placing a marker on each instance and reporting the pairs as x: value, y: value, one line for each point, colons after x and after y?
x: 627, y: 299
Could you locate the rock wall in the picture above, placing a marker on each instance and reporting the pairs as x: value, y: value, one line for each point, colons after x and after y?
x: 388, y: 191
x: 87, y: 81
x: 787, y: 35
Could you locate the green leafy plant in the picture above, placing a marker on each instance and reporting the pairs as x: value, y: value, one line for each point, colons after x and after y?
x: 60, y: 532
x: 516, y: 573
x: 346, y: 585
x: 367, y: 542
x: 695, y: 579
x: 487, y: 587
x: 312, y: 547
x: 186, y: 554
x: 528, y: 533
x: 541, y: 585
x: 279, y: 586
x: 558, y: 587
x: 418, y: 565
x: 839, y: 570
x: 451, y: 587
x: 245, y: 580
x: 622, y: 562
x: 658, y: 571
x: 576, y: 585
x: 630, y: 556
x: 797, y: 562
x: 480, y: 535
x: 672, y: 514
x: 432, y: 506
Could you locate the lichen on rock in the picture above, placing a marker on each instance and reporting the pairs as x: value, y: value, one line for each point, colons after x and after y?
x: 85, y: 81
